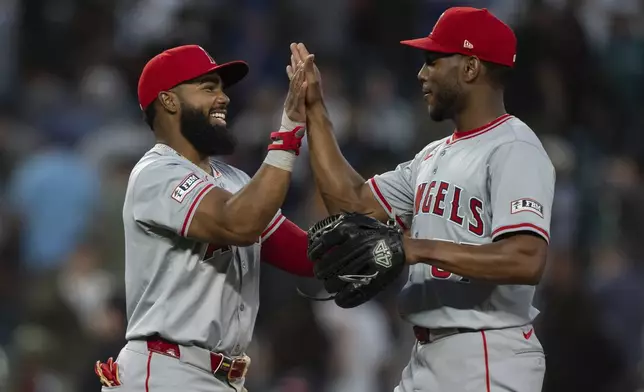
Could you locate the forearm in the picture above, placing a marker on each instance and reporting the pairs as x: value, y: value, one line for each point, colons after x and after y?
x: 338, y: 182
x: 249, y: 211
x: 502, y: 262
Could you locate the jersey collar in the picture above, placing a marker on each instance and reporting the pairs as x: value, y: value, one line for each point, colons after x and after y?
x: 461, y: 135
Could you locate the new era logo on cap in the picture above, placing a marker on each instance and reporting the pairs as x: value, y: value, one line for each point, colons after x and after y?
x: 468, y: 45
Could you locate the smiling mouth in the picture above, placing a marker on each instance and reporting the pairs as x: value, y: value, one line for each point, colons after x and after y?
x: 219, y: 117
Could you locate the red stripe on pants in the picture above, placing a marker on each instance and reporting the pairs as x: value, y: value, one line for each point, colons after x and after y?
x: 147, y: 377
x: 487, y: 367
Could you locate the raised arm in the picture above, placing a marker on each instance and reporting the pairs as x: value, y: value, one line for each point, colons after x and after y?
x: 239, y: 219
x: 341, y: 187
x: 171, y: 196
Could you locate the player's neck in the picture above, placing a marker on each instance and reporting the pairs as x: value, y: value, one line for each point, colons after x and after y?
x: 203, y: 161
x: 187, y: 150
x: 477, y: 115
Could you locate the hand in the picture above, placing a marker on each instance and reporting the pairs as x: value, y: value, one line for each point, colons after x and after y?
x: 294, y: 106
x: 299, y: 54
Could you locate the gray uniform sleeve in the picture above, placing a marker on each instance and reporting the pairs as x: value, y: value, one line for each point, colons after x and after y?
x: 522, y: 181
x: 166, y: 195
x: 394, y: 190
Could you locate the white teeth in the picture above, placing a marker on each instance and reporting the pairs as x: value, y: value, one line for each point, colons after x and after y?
x: 219, y: 115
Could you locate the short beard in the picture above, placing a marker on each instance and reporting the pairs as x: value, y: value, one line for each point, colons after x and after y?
x: 206, y: 138
x: 448, y: 102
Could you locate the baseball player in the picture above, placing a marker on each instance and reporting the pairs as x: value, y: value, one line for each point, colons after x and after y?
x: 196, y: 229
x: 476, y: 205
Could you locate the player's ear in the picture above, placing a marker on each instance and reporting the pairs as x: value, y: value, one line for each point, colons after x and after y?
x: 169, y: 101
x: 471, y: 68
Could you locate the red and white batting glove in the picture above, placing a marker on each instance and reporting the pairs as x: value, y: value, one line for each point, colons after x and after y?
x: 286, y: 144
x: 108, y: 373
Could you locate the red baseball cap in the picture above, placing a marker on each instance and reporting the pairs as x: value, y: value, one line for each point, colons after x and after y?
x: 180, y: 64
x: 470, y: 32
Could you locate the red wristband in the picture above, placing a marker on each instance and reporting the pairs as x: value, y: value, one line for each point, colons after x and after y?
x: 291, y: 140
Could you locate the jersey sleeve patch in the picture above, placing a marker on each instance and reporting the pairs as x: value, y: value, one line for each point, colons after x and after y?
x: 187, y: 185
x: 529, y: 205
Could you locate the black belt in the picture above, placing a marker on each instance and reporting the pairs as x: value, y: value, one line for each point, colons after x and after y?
x: 428, y: 335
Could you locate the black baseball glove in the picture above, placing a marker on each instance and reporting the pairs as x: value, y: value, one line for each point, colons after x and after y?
x: 356, y: 256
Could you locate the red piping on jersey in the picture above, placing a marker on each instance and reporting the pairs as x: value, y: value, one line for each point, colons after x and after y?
x: 385, y: 203
x: 147, y: 376
x: 184, y: 228
x: 401, y: 223
x: 461, y: 135
x: 522, y: 226
x: 487, y: 365
x: 270, y: 229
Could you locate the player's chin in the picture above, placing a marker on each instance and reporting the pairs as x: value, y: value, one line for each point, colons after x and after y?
x: 227, y: 145
x: 436, y: 113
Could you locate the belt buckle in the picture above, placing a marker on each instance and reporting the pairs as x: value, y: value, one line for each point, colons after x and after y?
x: 238, y: 368
x: 421, y: 334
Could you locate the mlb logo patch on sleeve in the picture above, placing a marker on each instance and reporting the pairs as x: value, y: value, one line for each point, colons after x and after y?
x: 186, y: 186
x: 529, y: 205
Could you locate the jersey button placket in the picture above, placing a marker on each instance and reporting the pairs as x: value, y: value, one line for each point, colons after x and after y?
x: 442, y: 153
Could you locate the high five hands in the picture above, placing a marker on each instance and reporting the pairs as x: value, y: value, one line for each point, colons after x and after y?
x: 302, y: 60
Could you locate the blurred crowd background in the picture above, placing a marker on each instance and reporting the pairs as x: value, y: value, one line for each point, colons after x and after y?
x: 71, y: 130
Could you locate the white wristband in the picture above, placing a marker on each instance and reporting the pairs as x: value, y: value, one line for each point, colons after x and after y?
x: 281, y: 159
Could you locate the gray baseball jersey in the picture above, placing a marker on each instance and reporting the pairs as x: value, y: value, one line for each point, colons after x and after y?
x: 187, y: 291
x: 470, y: 188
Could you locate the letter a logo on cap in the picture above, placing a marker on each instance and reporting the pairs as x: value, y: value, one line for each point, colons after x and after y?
x: 207, y: 54
x: 468, y: 45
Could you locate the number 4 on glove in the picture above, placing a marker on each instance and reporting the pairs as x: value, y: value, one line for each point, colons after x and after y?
x: 382, y: 254
x: 355, y: 256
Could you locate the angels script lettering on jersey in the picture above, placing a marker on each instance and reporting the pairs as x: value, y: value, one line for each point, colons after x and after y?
x: 444, y: 200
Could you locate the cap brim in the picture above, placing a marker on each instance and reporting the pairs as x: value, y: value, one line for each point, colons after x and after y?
x: 426, y: 43
x: 230, y: 73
